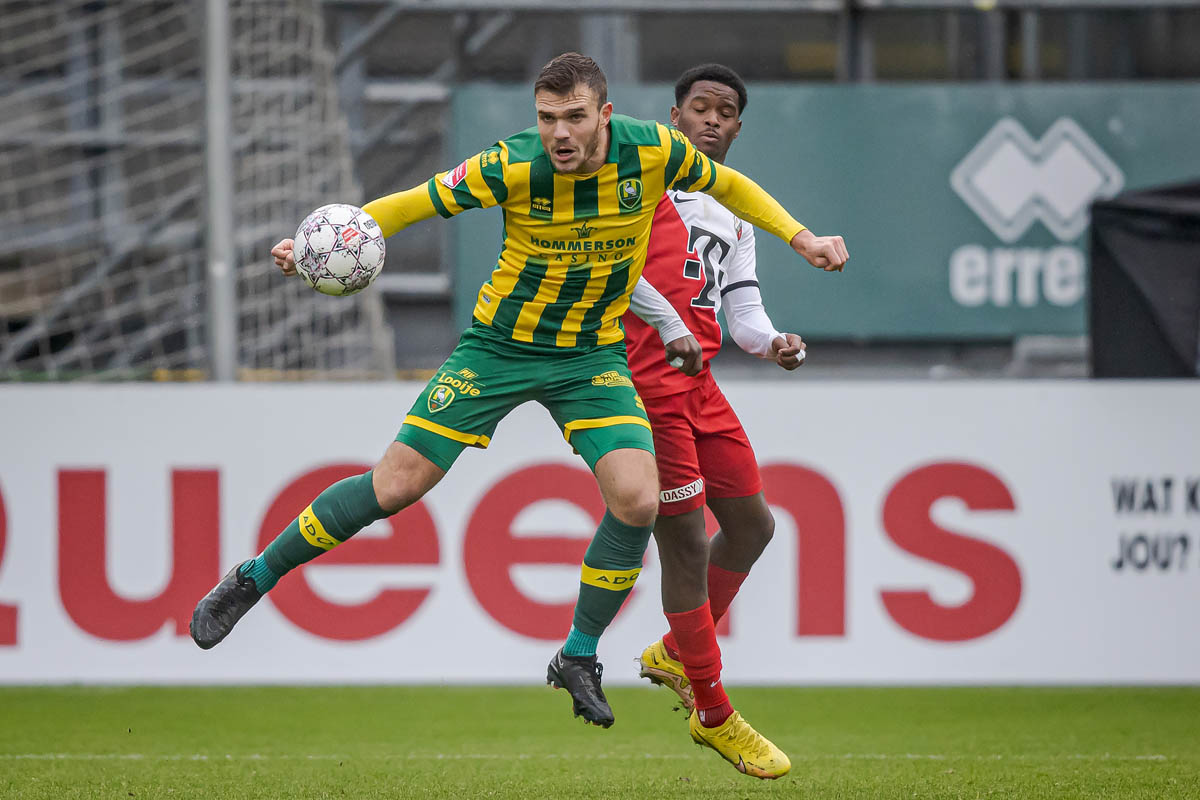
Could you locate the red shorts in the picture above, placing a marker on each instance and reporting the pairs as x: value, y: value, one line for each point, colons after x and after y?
x: 700, y: 448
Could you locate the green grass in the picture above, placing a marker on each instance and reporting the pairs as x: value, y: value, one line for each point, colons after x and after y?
x: 463, y: 743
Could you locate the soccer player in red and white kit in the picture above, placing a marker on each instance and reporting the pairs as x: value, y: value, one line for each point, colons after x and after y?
x: 701, y: 259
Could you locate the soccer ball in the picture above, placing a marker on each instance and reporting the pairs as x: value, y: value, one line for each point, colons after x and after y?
x: 339, y: 249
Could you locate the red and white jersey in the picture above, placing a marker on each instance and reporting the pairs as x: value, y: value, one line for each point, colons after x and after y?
x: 700, y: 257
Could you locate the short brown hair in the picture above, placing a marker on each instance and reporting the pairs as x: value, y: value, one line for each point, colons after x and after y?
x: 564, y: 72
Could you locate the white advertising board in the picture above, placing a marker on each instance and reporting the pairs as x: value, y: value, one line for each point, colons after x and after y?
x: 983, y: 532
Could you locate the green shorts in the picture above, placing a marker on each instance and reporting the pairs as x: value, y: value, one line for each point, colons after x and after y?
x: 589, y: 394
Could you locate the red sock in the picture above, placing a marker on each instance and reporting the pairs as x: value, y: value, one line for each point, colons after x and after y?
x: 723, y: 585
x: 701, y: 656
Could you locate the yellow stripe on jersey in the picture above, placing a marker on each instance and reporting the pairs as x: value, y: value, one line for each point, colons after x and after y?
x: 572, y: 324
x: 531, y: 311
x: 516, y: 178
x: 564, y: 200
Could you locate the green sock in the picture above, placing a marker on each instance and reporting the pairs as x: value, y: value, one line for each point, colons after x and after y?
x: 339, y: 512
x: 580, y: 644
x: 257, y: 569
x: 611, y: 565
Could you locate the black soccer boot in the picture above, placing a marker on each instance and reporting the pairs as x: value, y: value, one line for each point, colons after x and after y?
x: 580, y: 675
x: 219, y: 610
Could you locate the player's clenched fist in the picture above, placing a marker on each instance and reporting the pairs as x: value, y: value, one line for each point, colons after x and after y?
x: 823, y: 252
x: 284, y: 258
x: 788, y: 350
x: 685, y: 355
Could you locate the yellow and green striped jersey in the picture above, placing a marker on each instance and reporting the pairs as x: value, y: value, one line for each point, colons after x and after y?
x: 574, y: 245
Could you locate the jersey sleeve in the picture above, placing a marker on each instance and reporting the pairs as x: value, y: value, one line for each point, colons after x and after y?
x: 751, y: 202
x: 656, y: 311
x: 477, y: 182
x: 395, y: 212
x: 688, y: 170
x: 741, y: 300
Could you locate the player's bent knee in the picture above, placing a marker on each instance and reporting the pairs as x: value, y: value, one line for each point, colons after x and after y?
x: 635, y: 506
x: 756, y: 537
x: 402, y: 477
x: 767, y: 531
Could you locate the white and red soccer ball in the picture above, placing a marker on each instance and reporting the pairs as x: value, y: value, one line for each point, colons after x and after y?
x: 339, y: 249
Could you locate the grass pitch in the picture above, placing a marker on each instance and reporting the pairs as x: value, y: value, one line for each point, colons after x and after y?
x: 438, y: 742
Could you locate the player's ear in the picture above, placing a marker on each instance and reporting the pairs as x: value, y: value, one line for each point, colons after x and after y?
x: 675, y: 116
x: 737, y: 129
x: 605, y: 113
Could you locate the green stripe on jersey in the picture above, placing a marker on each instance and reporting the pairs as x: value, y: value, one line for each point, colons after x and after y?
x: 464, y: 197
x: 541, y: 188
x: 688, y: 182
x: 437, y: 201
x: 614, y: 287
x: 629, y: 165
x: 674, y: 161
x: 570, y: 293
x: 643, y: 132
x: 587, y: 193
x: 526, y: 289
x: 493, y: 176
x: 524, y: 146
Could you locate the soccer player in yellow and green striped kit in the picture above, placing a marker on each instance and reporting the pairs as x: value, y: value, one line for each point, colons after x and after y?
x: 578, y: 193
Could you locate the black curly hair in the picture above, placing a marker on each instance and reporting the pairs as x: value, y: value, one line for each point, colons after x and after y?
x: 718, y: 73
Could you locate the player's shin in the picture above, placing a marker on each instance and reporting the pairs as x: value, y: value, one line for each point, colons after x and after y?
x: 611, y: 566
x: 696, y: 638
x: 334, y: 516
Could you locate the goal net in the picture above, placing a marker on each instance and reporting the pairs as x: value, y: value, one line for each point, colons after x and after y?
x: 102, y: 192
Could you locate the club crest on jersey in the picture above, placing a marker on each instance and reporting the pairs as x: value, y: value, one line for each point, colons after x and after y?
x: 439, y: 398
x: 455, y: 176
x: 611, y: 378
x: 629, y: 192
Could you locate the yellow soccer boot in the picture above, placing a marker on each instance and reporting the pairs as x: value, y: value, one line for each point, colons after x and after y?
x: 739, y: 744
x: 663, y: 670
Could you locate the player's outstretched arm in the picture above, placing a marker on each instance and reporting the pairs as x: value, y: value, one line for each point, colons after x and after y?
x: 752, y: 203
x: 395, y: 212
x: 477, y: 182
